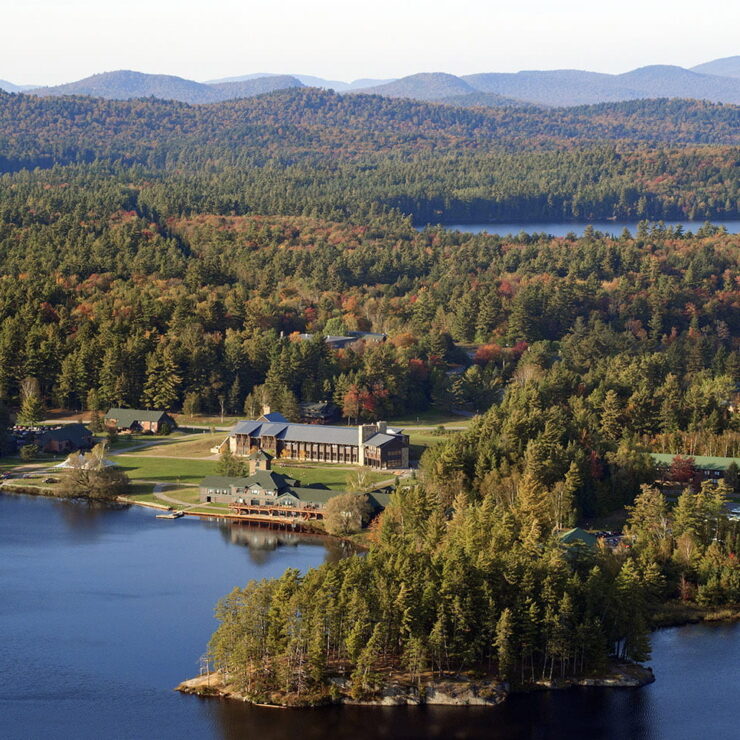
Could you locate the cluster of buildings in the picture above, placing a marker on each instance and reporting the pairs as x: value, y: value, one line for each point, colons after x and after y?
x: 269, y: 496
x: 62, y: 439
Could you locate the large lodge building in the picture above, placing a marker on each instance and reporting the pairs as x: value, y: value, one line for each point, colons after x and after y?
x: 373, y: 445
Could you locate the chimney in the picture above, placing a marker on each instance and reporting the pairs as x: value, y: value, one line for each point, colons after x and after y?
x: 382, y: 426
x: 364, y: 432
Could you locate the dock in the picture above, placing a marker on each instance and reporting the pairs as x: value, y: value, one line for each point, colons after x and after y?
x: 171, y: 515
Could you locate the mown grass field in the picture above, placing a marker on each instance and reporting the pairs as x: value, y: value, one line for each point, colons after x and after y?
x: 194, y: 445
x: 333, y: 477
x: 430, y: 417
x: 163, y: 469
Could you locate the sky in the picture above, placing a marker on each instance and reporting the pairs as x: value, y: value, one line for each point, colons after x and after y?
x: 55, y: 41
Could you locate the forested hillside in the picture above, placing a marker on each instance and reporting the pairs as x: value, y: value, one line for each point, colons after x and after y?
x: 308, y: 152
x: 106, y: 301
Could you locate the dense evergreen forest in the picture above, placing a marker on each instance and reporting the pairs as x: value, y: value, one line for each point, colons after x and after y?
x: 315, y: 153
x: 106, y: 305
x: 479, y: 590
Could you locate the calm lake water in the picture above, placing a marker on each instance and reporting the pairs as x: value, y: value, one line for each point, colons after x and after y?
x: 102, y: 612
x: 561, y: 229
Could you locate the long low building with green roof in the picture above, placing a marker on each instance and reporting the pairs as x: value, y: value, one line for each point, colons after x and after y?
x: 711, y: 468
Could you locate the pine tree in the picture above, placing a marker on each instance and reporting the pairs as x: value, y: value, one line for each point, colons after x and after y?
x: 610, y: 424
x: 32, y: 408
x: 504, y: 643
x: 162, y: 386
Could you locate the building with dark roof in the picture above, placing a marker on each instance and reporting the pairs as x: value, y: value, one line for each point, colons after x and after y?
x: 270, y: 496
x: 66, y: 438
x: 374, y: 445
x: 319, y: 412
x: 138, y: 420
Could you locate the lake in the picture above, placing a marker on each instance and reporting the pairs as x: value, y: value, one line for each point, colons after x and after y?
x: 561, y: 229
x: 103, y: 612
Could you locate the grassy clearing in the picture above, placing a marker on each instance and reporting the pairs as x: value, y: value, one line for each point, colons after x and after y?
x: 164, y: 469
x: 334, y: 478
x: 196, y: 445
x: 430, y: 417
x: 206, y: 421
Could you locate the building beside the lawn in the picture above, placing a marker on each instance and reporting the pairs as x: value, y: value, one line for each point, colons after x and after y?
x: 139, y: 421
x: 373, y: 445
x: 267, y: 495
x: 66, y: 438
x: 62, y: 438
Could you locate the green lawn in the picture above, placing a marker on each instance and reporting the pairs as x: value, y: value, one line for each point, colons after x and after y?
x: 430, y: 417
x: 334, y: 478
x: 195, y: 445
x: 164, y: 469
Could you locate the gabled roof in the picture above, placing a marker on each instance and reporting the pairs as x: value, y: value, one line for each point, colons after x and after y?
x: 126, y: 417
x: 379, y: 439
x: 273, y: 416
x: 577, y: 536
x: 258, y: 454
x: 268, y: 480
x: 73, y: 432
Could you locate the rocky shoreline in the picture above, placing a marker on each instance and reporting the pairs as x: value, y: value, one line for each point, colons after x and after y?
x: 448, y: 690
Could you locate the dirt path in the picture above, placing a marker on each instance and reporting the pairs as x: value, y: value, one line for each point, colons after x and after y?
x: 183, y: 505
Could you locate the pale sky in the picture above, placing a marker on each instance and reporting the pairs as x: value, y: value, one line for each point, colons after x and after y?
x: 55, y: 41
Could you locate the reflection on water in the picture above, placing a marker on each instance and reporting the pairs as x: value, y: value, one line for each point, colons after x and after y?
x: 86, y: 520
x: 103, y: 612
x: 261, y: 541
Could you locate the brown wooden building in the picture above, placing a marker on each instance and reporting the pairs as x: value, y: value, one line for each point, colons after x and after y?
x: 374, y: 445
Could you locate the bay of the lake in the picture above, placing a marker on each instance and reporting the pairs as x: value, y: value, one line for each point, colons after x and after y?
x: 614, y: 228
x: 103, y: 612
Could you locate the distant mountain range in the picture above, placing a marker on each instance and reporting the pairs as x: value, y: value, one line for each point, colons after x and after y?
x: 125, y: 84
x: 310, y: 81
x: 565, y: 87
x: 716, y: 81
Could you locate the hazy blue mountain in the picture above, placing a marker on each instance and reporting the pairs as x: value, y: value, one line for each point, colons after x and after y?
x: 255, y: 86
x: 423, y: 86
x: 725, y: 67
x: 553, y: 87
x: 10, y: 87
x: 484, y: 100
x: 574, y: 87
x: 662, y: 80
x: 716, y: 81
x: 309, y: 81
x: 125, y: 84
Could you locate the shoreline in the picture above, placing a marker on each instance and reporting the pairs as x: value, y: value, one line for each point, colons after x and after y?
x: 21, y: 490
x: 446, y: 689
